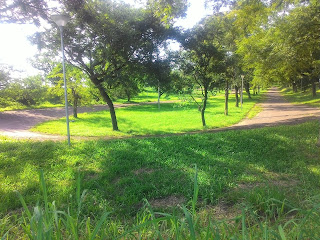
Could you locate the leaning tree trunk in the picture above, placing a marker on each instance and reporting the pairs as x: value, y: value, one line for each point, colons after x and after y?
x: 204, y: 106
x: 226, y: 93
x: 247, y: 87
x: 236, y: 91
x: 109, y: 102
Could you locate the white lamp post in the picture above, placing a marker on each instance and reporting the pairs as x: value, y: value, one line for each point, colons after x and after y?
x: 242, y: 77
x: 62, y: 20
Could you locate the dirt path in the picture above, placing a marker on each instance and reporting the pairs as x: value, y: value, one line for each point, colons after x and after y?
x: 17, y: 123
x: 276, y: 111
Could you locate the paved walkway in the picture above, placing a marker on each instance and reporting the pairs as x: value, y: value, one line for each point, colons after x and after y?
x: 276, y: 111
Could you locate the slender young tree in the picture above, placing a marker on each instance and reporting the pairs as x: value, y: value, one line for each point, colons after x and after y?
x: 204, y: 61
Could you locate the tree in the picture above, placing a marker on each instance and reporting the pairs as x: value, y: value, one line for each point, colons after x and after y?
x: 158, y: 76
x: 281, y: 30
x: 29, y: 91
x: 78, y: 89
x: 4, y: 77
x: 22, y: 11
x: 203, y: 60
x: 104, y: 39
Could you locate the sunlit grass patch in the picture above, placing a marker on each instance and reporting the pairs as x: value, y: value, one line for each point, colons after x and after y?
x: 147, y: 119
x: 304, y: 97
x: 267, y: 172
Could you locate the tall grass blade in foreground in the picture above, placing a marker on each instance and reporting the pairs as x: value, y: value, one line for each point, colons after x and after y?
x: 50, y: 223
x: 46, y: 222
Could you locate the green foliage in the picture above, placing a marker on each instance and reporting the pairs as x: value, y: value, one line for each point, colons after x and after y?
x: 166, y: 10
x: 78, y: 87
x: 272, y: 32
x: 29, y: 91
x: 4, y: 77
x: 113, y: 39
x: 23, y: 11
x: 202, y: 61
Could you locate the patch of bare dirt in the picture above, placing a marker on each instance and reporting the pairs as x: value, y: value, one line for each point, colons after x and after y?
x: 277, y: 183
x: 143, y: 171
x: 170, y: 201
x: 221, y: 211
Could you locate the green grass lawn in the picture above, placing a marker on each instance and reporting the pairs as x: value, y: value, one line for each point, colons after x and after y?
x: 148, y: 119
x: 150, y: 95
x: 235, y: 168
x: 120, y: 173
x: 301, y: 97
x: 17, y: 106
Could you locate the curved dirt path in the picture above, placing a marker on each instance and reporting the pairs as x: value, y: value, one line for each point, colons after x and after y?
x: 17, y: 123
x: 276, y: 111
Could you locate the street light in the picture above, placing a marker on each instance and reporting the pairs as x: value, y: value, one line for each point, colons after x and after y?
x: 242, y: 77
x: 61, y: 20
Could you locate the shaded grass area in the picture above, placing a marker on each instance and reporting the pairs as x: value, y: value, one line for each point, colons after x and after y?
x: 149, y: 120
x: 301, y: 97
x: 235, y: 167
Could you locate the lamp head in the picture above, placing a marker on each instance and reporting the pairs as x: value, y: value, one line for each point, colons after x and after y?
x: 60, y: 19
x: 242, y: 76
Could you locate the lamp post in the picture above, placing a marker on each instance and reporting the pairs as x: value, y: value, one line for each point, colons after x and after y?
x: 61, y: 20
x: 242, y: 77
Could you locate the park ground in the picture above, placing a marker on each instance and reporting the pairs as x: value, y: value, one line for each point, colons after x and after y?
x: 248, y: 179
x: 274, y: 110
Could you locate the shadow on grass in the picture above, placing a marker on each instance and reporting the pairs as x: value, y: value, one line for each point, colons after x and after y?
x: 303, y: 97
x: 120, y: 173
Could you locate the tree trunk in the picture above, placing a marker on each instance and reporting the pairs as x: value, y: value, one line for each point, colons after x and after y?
x: 75, y: 107
x: 158, y: 96
x: 226, y: 93
x: 247, y: 87
x: 318, y: 143
x: 75, y: 102
x: 128, y: 95
x: 236, y: 91
x: 294, y: 87
x: 204, y: 106
x: 314, y: 89
x: 111, y: 107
